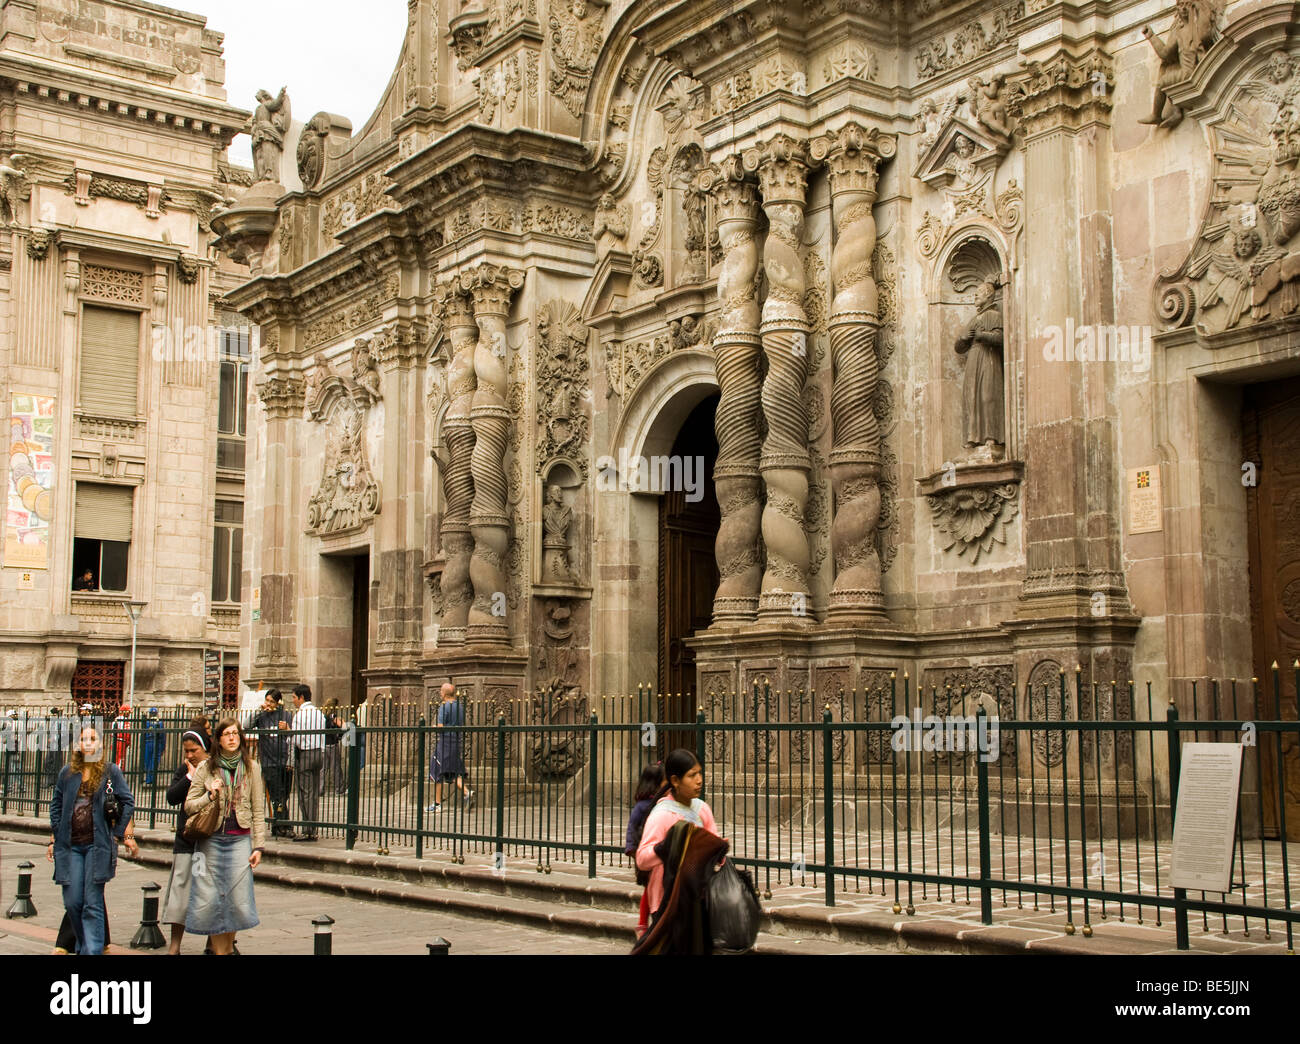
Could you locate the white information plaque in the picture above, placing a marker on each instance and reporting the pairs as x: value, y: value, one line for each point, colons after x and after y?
x: 1206, y: 817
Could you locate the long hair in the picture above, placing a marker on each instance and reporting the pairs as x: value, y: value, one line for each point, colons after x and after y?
x: 92, y: 772
x: 216, y: 752
x: 648, y: 786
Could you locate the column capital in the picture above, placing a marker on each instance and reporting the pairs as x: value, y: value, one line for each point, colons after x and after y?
x: 491, y: 287
x: 281, y: 394
x: 730, y: 187
x: 852, y: 157
x: 452, y: 306
x: 782, y: 166
x: 1066, y: 91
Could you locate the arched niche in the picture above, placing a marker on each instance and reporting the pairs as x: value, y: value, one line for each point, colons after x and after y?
x: 561, y: 549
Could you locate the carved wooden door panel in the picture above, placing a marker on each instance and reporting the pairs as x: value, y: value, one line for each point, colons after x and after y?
x: 1272, y: 440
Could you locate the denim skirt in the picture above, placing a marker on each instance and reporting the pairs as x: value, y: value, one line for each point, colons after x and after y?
x: 221, y: 892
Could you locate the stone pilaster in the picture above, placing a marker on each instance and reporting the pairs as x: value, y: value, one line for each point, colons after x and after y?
x: 852, y: 160
x: 736, y: 351
x: 458, y: 431
x: 491, y: 287
x: 275, y: 645
x: 782, y: 165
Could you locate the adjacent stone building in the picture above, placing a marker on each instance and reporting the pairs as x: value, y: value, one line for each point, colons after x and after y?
x: 695, y: 343
x: 125, y: 399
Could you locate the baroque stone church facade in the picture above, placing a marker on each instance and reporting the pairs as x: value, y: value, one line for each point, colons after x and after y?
x: 979, y: 319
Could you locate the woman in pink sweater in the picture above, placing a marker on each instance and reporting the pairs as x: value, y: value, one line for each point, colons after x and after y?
x: 679, y: 799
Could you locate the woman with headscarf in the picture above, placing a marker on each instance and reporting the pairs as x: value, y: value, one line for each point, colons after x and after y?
x: 195, y: 745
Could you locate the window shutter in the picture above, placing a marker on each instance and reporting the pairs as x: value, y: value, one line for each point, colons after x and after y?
x: 110, y: 361
x: 103, y: 512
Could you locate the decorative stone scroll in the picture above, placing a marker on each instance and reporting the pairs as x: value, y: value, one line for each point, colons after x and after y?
x: 348, y: 496
x: 563, y: 382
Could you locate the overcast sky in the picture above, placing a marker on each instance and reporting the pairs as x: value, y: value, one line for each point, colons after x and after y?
x: 334, y: 55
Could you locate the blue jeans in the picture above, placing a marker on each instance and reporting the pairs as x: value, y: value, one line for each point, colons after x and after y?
x: 83, y: 898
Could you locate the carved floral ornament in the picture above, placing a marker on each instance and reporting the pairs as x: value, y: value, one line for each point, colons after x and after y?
x: 972, y: 518
x: 1244, y: 265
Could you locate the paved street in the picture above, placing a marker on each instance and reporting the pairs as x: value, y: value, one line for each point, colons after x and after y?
x: 362, y: 927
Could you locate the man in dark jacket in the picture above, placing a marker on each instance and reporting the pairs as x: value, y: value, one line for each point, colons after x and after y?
x: 273, y: 752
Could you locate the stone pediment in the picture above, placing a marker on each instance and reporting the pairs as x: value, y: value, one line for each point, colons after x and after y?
x: 949, y: 161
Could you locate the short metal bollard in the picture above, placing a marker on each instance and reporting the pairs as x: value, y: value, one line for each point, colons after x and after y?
x: 22, y: 905
x: 324, y: 926
x: 149, y: 936
x: 440, y: 947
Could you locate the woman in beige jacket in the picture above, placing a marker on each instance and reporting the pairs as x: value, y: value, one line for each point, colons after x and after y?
x: 221, y: 897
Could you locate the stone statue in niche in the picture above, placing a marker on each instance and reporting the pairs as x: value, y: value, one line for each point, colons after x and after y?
x: 982, y: 401
x: 556, y: 519
x: 268, y: 126
x: 1194, y: 29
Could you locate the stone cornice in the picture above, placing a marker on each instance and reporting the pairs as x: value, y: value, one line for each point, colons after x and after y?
x: 83, y: 90
x: 473, y: 158
x: 1066, y: 91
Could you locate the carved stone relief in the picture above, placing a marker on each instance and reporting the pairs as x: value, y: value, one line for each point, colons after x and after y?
x: 348, y: 496
x: 576, y: 33
x: 563, y: 382
x: 1244, y: 266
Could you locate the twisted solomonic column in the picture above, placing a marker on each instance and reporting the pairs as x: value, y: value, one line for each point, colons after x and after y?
x: 852, y: 156
x: 458, y: 431
x: 735, y: 349
x: 782, y: 166
x: 491, y: 287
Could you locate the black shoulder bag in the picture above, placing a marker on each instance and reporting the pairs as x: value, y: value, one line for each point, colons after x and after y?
x: 112, y: 807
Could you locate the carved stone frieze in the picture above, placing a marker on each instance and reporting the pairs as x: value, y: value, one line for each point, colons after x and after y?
x: 85, y: 186
x: 335, y: 325
x: 563, y: 383
x: 358, y: 200
x: 969, y: 42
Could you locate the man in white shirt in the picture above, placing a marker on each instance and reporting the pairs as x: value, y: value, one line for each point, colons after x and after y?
x: 309, y: 758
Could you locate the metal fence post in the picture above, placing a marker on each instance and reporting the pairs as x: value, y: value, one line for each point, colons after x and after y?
x: 593, y: 784
x: 422, y: 761
x: 828, y: 804
x: 986, y: 848
x: 501, y: 791
x: 1175, y: 767
x: 354, y: 791
x: 699, y: 734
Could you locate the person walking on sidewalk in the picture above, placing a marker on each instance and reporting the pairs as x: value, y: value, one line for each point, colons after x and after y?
x: 679, y: 801
x: 195, y: 745
x: 448, y: 763
x: 155, y: 743
x: 273, y: 753
x: 648, y: 789
x: 308, y: 758
x: 84, y: 839
x: 221, y: 898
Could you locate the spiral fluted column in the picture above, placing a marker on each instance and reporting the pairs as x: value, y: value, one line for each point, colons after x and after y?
x: 491, y: 287
x: 782, y: 166
x: 736, y: 350
x: 852, y: 157
x: 458, y: 431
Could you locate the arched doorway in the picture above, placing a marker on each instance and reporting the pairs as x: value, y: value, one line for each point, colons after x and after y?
x: 688, y: 571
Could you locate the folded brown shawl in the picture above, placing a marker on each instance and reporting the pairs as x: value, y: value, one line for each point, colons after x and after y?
x: 681, y: 924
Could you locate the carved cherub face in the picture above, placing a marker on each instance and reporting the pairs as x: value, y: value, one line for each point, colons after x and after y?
x: 579, y: 9
x: 1279, y: 67
x: 1245, y: 243
x: 963, y: 146
x: 606, y: 202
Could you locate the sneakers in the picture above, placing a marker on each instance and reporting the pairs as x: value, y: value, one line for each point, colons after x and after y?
x: 434, y: 808
x: 468, y: 800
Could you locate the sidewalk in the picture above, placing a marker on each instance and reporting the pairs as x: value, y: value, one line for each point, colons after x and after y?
x: 603, y: 909
x: 361, y: 926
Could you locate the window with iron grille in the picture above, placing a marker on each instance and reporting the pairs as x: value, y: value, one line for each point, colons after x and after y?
x: 230, y: 688
x: 101, y: 683
x: 227, y: 550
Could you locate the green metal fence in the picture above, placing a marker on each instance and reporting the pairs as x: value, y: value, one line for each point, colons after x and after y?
x: 1065, y: 806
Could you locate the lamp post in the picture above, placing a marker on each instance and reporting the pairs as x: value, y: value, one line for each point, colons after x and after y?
x: 133, y: 610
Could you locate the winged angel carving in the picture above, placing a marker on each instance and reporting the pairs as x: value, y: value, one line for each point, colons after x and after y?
x: 13, y: 187
x: 575, y: 43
